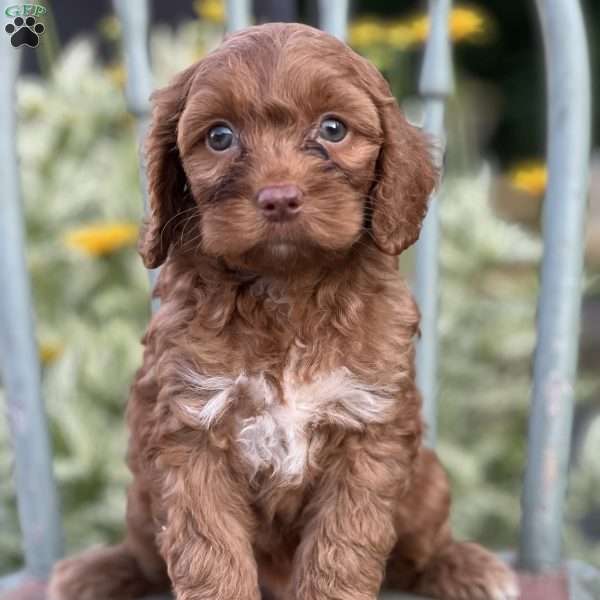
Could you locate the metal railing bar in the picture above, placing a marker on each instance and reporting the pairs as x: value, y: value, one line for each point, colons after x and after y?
x: 8, y: 582
x: 134, y: 18
x: 435, y: 86
x: 555, y: 363
x: 239, y: 14
x: 333, y: 17
x: 37, y: 498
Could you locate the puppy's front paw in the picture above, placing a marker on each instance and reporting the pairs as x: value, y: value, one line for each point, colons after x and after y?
x: 464, y: 571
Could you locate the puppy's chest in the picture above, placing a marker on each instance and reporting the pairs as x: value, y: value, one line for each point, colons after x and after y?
x: 272, y: 421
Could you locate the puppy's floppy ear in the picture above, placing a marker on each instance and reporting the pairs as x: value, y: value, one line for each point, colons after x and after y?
x: 405, y: 177
x: 167, y: 184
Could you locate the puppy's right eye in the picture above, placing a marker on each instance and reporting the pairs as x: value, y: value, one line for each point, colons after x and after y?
x: 220, y: 137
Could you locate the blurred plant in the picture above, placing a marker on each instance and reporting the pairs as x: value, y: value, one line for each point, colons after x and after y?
x: 529, y: 177
x: 117, y: 74
x: 110, y: 28
x: 583, y: 501
x: 99, y: 240
x: 210, y: 10
x: 367, y: 32
x: 390, y: 43
x: 49, y: 352
x: 466, y: 24
x: 489, y: 285
x: 489, y: 271
x: 173, y: 50
x: 79, y: 167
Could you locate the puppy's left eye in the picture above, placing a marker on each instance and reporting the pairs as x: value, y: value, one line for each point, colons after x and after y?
x: 332, y: 130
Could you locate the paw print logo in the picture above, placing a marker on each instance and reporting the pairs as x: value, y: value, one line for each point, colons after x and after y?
x: 25, y: 32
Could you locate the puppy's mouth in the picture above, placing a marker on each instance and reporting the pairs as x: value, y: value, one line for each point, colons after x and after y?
x: 283, y: 246
x: 284, y: 243
x: 282, y: 250
x: 291, y: 234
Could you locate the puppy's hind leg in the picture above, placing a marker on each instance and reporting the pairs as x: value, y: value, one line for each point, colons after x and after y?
x: 466, y: 571
x: 123, y: 572
x: 110, y: 573
x: 427, y: 561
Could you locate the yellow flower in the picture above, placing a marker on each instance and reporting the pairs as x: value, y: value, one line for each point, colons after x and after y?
x: 110, y: 28
x: 366, y: 32
x: 400, y: 35
x: 117, y: 74
x: 210, y: 10
x: 530, y: 177
x: 469, y: 24
x: 419, y: 27
x: 466, y: 24
x: 49, y: 352
x: 99, y: 240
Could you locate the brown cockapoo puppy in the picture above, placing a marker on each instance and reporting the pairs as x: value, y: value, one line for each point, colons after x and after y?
x: 276, y: 432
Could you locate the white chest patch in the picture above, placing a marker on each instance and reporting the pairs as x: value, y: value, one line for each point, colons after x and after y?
x: 272, y: 427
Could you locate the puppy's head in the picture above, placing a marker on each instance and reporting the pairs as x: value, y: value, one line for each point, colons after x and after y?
x: 282, y: 145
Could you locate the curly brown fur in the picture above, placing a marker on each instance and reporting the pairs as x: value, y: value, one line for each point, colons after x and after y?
x: 275, y: 423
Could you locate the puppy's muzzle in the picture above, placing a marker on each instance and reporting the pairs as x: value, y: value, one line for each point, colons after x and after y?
x: 280, y: 202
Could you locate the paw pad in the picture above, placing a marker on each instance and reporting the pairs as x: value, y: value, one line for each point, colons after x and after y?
x: 25, y: 32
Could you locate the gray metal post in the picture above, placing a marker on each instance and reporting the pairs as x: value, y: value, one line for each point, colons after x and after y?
x: 239, y: 14
x: 333, y: 17
x: 568, y: 92
x: 36, y: 491
x: 435, y: 86
x: 133, y: 15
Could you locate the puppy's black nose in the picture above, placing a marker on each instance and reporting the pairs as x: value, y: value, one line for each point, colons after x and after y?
x: 280, y: 202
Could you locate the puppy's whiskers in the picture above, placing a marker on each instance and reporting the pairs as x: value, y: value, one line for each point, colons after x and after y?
x: 174, y: 218
x: 190, y: 219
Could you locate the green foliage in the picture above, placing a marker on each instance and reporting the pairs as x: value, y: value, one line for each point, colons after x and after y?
x: 487, y: 311
x: 79, y: 165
